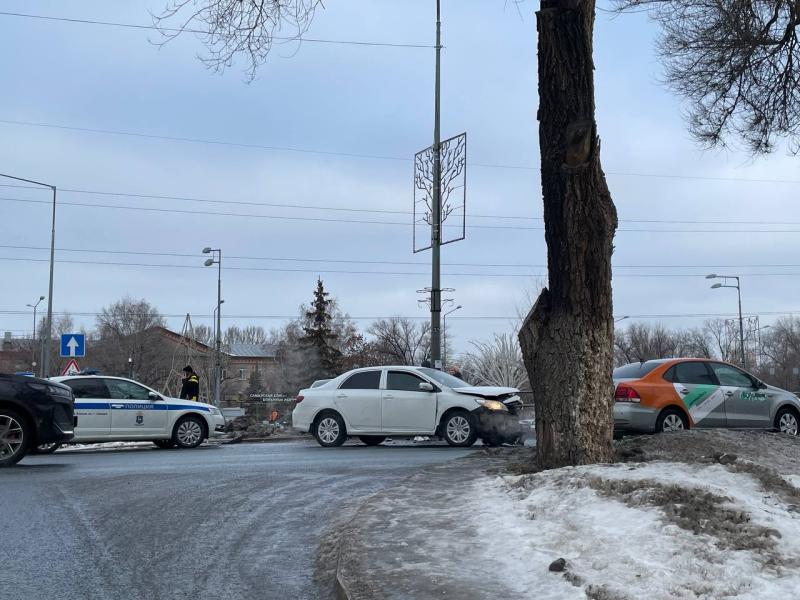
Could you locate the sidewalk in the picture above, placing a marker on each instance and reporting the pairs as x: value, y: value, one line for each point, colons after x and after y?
x: 711, y: 514
x: 411, y: 541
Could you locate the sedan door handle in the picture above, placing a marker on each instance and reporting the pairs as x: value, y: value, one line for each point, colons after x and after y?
x: 388, y: 397
x: 728, y: 394
x: 341, y: 396
x: 684, y: 391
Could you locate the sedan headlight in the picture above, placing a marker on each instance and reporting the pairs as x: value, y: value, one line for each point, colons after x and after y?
x: 491, y: 404
x: 215, y: 411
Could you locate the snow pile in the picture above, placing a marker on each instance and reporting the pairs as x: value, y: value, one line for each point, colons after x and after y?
x: 106, y: 446
x: 659, y: 530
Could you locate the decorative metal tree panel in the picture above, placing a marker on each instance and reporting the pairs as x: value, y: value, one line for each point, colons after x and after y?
x: 453, y: 193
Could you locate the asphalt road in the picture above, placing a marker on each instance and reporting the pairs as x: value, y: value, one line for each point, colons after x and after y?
x: 219, y: 522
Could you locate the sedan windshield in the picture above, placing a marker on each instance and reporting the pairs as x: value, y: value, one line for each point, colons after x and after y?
x: 444, y: 378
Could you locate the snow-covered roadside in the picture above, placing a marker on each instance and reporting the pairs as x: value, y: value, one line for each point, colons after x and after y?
x: 659, y: 530
x: 105, y: 446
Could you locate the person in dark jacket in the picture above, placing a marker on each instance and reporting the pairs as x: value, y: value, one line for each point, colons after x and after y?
x: 190, y: 384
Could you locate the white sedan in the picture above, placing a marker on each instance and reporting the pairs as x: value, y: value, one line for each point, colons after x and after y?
x: 378, y: 402
x: 114, y: 409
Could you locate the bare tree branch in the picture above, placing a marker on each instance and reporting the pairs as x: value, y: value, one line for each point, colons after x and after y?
x: 236, y: 27
x: 737, y: 62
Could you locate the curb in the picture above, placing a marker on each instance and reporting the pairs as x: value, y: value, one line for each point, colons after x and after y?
x: 265, y: 440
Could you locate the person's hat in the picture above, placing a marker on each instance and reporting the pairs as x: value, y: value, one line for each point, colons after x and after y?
x: 188, y: 369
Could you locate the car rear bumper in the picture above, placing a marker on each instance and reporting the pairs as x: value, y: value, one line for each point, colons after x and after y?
x: 630, y: 416
x: 302, y: 417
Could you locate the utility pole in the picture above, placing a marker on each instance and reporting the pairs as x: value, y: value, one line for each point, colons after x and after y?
x: 436, y: 216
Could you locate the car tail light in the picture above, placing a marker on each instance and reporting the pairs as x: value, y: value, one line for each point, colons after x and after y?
x: 299, y: 399
x: 626, y: 393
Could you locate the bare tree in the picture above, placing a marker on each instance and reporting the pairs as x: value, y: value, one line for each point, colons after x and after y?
x: 125, y: 330
x: 641, y: 342
x: 497, y: 362
x: 237, y: 27
x: 724, y: 335
x: 251, y: 334
x: 401, y: 341
x: 736, y: 62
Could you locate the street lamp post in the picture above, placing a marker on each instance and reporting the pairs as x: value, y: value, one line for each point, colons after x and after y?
x: 217, y: 259
x: 444, y: 335
x: 33, y: 351
x: 741, y: 321
x: 45, y: 361
x: 130, y: 367
x: 621, y: 319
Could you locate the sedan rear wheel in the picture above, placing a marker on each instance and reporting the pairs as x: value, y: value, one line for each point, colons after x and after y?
x: 671, y: 420
x: 329, y: 430
x: 13, y: 438
x: 786, y: 421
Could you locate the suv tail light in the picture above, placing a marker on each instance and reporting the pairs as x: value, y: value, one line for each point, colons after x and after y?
x: 626, y: 393
x: 299, y: 399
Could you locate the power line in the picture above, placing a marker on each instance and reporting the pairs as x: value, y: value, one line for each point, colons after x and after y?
x: 202, y: 32
x: 413, y: 317
x: 354, y: 272
x: 382, y: 211
x: 386, y: 262
x: 363, y: 222
x: 374, y: 156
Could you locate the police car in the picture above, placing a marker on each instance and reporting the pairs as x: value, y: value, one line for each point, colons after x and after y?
x: 114, y: 409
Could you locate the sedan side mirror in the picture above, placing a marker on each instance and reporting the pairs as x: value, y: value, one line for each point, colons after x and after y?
x: 425, y: 387
x: 154, y: 396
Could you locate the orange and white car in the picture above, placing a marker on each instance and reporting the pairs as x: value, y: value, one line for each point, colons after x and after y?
x: 679, y: 393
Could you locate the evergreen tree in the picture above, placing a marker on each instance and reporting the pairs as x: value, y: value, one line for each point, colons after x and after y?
x: 255, y: 384
x: 320, y: 337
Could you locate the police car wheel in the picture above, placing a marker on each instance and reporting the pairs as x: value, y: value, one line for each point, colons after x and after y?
x: 164, y: 444
x: 189, y: 432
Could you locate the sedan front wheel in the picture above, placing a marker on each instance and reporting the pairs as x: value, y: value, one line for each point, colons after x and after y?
x: 459, y: 429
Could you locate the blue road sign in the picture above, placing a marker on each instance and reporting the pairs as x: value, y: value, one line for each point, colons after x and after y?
x: 73, y: 345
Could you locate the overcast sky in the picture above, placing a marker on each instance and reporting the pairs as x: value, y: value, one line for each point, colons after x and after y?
x: 361, y: 100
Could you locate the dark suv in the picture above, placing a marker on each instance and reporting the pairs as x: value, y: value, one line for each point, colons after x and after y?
x: 32, y: 412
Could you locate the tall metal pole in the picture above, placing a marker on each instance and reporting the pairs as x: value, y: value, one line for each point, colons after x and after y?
x: 218, y: 370
x: 45, y: 361
x: 49, y: 324
x: 436, y: 217
x: 741, y: 324
x: 33, y: 357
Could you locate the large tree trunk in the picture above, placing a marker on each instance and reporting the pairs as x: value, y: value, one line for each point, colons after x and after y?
x: 567, y: 338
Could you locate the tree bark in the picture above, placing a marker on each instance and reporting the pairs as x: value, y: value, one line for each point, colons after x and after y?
x: 567, y: 338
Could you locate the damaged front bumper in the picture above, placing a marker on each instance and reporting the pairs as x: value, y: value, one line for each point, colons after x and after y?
x: 498, y: 427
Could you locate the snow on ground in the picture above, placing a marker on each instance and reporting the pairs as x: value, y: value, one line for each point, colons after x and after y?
x: 659, y: 530
x: 105, y: 446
